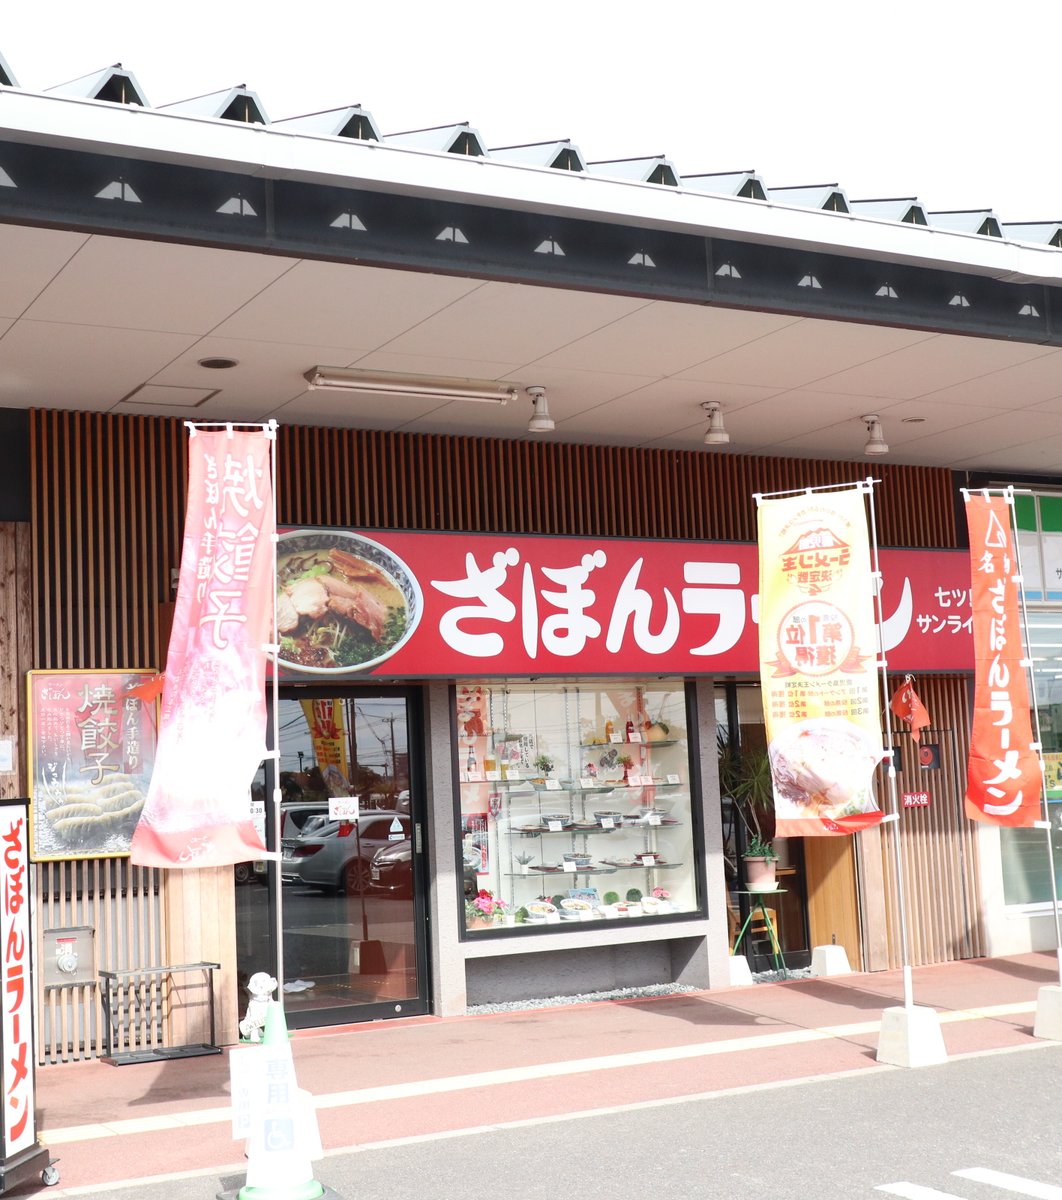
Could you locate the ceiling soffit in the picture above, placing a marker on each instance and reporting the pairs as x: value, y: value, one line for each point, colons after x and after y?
x: 102, y: 193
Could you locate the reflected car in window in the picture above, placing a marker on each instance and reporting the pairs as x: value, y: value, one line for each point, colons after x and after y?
x: 338, y: 856
x: 391, y: 870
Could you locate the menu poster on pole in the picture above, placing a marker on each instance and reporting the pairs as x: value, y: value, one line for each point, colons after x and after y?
x: 818, y: 653
x: 91, y: 753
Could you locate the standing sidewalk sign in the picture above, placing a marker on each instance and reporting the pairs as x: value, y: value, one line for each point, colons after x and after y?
x: 23, y: 1157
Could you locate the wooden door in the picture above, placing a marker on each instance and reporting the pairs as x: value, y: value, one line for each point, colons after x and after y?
x: 833, y: 907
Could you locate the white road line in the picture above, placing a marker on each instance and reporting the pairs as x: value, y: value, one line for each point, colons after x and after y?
x: 1012, y: 1183
x: 915, y: 1191
x: 554, y: 1070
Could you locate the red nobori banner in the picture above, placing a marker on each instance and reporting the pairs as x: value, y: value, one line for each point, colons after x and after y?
x: 17, y: 1121
x: 213, y: 719
x: 91, y: 753
x: 1003, y: 776
x: 415, y: 605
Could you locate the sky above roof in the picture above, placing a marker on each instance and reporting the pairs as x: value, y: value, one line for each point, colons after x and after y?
x: 950, y: 102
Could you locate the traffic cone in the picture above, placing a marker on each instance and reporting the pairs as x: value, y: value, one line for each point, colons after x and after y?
x: 284, y: 1136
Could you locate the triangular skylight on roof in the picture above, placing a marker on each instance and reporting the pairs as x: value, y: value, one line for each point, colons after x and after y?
x: 444, y: 139
x: 908, y: 211
x: 1043, y: 233
x: 231, y: 104
x: 7, y: 76
x: 982, y: 221
x: 352, y: 122
x: 746, y: 184
x: 827, y: 197
x: 559, y: 156
x: 656, y: 169
x: 113, y: 84
x: 6, y: 180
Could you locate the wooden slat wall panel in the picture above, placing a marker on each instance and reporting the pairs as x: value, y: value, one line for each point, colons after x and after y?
x: 938, y: 843
x: 122, y: 904
x: 391, y: 480
x: 109, y: 500
x: 16, y: 645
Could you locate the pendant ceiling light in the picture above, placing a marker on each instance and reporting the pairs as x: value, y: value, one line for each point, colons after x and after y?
x: 541, y: 421
x: 716, y: 434
x: 876, y: 443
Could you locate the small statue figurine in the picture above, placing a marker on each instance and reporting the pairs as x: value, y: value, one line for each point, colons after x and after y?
x: 261, y: 986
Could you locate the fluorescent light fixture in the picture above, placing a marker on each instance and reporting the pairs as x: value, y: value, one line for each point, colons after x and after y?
x: 348, y: 379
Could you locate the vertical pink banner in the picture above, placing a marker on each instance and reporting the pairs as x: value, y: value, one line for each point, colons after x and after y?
x: 213, y: 719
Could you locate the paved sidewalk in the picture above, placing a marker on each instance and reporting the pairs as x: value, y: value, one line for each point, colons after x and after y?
x: 385, y: 1081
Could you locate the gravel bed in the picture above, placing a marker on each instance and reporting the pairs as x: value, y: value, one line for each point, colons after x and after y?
x: 630, y: 993
x: 779, y: 977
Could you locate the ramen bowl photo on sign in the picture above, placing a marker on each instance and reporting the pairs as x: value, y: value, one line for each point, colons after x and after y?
x: 344, y: 602
x: 824, y: 767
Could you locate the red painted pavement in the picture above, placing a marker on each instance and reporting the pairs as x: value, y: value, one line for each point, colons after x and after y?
x: 388, y: 1053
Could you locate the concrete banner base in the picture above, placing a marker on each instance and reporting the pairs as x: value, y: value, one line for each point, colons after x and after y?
x: 911, y: 1037
x: 830, y: 960
x: 740, y: 975
x: 1049, y: 1013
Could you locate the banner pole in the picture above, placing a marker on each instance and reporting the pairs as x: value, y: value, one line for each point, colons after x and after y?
x: 274, y: 654
x: 894, y: 800
x: 1038, y: 745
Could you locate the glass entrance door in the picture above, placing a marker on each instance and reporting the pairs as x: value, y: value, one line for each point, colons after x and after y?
x: 350, y: 881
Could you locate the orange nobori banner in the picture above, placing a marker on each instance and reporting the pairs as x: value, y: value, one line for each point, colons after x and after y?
x: 818, y: 656
x: 212, y: 723
x: 1003, y: 775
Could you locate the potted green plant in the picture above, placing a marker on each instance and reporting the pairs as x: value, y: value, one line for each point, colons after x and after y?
x: 745, y: 776
x: 544, y: 764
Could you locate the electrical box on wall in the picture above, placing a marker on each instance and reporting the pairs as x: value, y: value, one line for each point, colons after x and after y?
x: 69, y: 957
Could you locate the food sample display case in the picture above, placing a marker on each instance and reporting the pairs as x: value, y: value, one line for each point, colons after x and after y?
x: 575, y: 803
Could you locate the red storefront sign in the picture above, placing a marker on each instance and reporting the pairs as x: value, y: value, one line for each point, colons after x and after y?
x: 1003, y: 777
x: 481, y: 604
